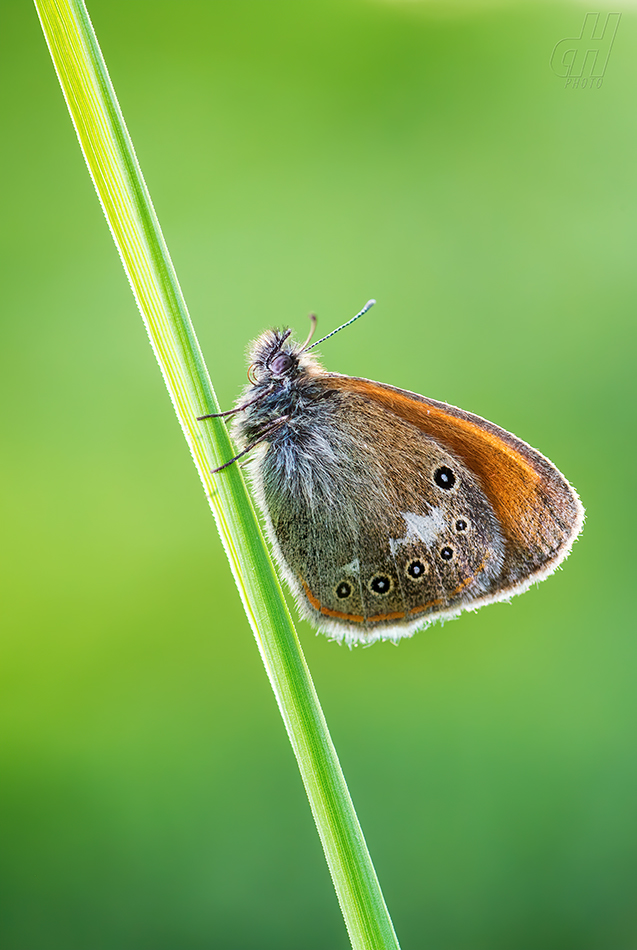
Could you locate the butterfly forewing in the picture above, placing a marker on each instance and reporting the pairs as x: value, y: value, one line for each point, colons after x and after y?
x: 537, y: 510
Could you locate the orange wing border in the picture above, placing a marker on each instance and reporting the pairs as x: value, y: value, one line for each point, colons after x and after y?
x: 522, y: 485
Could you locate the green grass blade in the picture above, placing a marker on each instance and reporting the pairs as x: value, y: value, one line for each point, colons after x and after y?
x: 120, y: 186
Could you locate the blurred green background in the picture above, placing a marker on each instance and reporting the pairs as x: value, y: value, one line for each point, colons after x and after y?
x: 308, y: 156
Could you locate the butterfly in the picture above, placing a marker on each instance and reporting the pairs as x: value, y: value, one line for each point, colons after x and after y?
x: 386, y: 510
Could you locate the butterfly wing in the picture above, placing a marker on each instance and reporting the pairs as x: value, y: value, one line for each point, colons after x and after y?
x: 422, y: 548
x: 539, y: 513
x: 390, y: 510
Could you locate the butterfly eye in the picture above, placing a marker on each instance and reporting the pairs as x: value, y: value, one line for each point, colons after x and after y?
x: 380, y: 584
x: 446, y: 554
x: 417, y: 569
x: 461, y: 525
x: 444, y: 477
x: 281, y: 363
x: 343, y: 590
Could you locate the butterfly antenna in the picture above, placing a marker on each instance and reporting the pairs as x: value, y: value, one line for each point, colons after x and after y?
x: 368, y: 306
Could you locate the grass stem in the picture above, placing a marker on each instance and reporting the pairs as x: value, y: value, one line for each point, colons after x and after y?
x: 121, y: 189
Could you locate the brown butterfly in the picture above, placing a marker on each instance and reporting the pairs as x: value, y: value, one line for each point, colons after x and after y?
x: 387, y: 510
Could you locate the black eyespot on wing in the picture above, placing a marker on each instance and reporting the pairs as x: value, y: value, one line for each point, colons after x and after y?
x: 343, y: 590
x: 461, y: 525
x: 380, y: 584
x: 444, y: 477
x: 416, y: 569
x: 446, y: 554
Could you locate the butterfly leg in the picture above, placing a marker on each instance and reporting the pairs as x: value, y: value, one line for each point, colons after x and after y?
x: 232, y: 412
x: 262, y: 437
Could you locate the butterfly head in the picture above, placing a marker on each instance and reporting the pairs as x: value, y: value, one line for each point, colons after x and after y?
x: 277, y: 360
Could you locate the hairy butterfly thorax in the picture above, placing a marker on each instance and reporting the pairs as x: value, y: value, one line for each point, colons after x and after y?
x: 387, y: 510
x: 283, y: 384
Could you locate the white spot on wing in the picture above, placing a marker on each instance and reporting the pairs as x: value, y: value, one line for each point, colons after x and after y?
x: 354, y: 567
x: 426, y: 528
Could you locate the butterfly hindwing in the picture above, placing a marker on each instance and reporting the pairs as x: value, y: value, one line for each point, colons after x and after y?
x: 416, y: 536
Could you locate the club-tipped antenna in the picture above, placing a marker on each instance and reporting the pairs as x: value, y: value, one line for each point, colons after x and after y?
x: 368, y: 306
